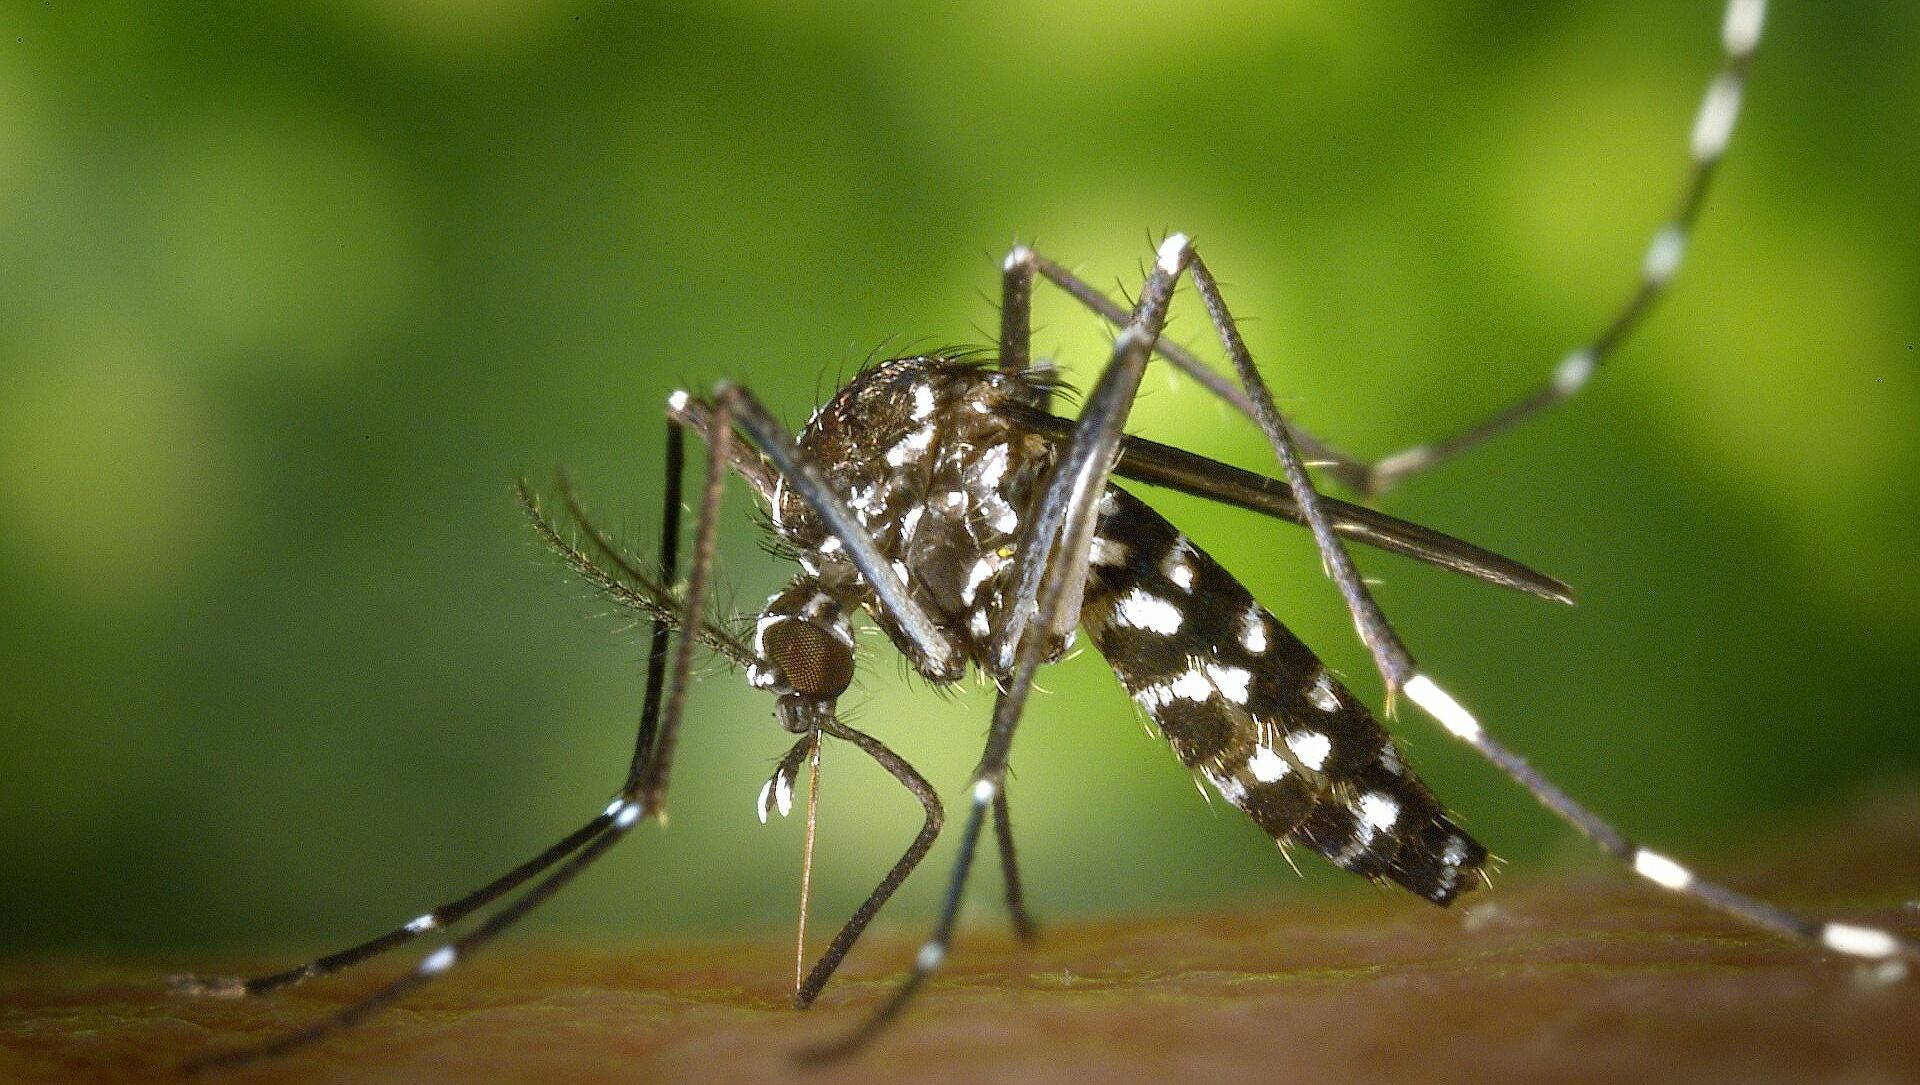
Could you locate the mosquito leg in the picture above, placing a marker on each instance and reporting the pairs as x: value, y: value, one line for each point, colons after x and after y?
x: 665, y: 570
x: 1023, y: 925
x: 697, y: 416
x: 1712, y: 130
x: 1871, y: 943
x: 643, y: 796
x: 434, y: 964
x: 1080, y: 475
x: 454, y: 911
x: 936, y: 650
x: 788, y: 467
x: 932, y: 954
x: 1185, y: 361
x: 1016, y: 354
x: 1395, y: 664
x: 649, y: 789
x: 910, y: 779
x: 443, y: 916
x: 1016, y: 316
x: 1859, y: 941
x: 1016, y: 310
x: 1061, y: 524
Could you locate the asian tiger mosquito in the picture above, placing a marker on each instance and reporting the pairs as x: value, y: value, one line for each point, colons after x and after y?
x: 939, y: 495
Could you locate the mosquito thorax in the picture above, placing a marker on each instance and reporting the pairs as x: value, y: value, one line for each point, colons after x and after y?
x: 928, y: 461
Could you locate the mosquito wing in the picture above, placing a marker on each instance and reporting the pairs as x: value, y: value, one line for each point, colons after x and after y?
x: 1163, y: 465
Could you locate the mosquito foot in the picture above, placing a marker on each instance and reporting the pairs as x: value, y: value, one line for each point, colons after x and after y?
x: 198, y: 986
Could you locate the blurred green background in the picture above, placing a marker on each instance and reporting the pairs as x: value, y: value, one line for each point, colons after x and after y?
x: 290, y: 292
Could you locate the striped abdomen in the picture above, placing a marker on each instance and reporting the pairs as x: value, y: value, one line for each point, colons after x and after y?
x: 1243, y: 701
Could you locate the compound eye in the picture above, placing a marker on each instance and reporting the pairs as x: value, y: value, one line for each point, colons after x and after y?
x: 814, y: 662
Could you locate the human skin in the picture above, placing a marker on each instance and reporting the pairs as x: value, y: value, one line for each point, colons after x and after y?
x: 1582, y: 976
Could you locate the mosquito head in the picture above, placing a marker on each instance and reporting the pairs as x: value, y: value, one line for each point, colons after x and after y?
x: 805, y: 648
x: 816, y: 668
x: 815, y: 663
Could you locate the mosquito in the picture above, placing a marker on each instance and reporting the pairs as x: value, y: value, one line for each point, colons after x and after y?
x: 939, y: 497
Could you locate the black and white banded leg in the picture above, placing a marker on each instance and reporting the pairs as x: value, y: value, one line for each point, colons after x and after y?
x: 1870, y: 943
x: 452, y: 912
x: 642, y: 795
x: 1712, y: 132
